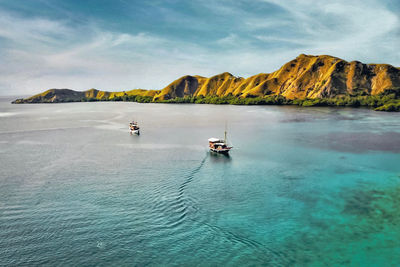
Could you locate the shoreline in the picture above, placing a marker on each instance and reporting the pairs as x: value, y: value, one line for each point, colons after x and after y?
x: 389, y: 103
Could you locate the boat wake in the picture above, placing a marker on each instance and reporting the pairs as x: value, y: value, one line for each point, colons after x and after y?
x: 190, y: 177
x: 175, y: 207
x: 181, y: 213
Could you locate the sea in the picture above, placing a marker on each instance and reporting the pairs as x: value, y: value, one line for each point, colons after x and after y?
x: 310, y: 186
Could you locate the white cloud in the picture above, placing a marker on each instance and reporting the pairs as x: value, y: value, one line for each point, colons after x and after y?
x: 38, y: 53
x: 36, y: 58
x: 363, y: 30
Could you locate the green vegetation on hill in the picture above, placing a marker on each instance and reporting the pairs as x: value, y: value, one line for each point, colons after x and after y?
x: 382, y: 102
x: 125, y: 98
x: 378, y: 103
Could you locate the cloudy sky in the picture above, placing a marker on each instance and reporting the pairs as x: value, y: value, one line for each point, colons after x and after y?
x: 124, y: 44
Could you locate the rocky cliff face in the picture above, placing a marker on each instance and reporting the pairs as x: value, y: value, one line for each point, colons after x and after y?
x: 304, y: 77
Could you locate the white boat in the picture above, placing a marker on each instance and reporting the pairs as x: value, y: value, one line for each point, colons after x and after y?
x: 219, y: 145
x: 134, y: 128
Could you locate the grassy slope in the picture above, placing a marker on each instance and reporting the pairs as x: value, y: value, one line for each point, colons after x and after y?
x: 303, y: 77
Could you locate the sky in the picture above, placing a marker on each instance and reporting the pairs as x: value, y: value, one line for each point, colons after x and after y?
x: 119, y: 45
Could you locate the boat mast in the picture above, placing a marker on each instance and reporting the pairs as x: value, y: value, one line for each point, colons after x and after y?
x: 225, y: 135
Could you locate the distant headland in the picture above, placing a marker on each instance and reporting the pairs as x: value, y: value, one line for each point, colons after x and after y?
x: 306, y: 81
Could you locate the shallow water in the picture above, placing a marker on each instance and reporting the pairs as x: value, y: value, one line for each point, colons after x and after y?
x: 303, y: 186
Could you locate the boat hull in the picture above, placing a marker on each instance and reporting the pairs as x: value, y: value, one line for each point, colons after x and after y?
x: 220, y: 151
x: 137, y: 132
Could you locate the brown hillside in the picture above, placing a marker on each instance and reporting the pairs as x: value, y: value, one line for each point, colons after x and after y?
x: 304, y: 77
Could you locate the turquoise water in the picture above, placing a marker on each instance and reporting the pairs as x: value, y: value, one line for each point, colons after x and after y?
x: 302, y: 187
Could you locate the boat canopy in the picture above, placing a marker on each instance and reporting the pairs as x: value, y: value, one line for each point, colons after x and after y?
x: 213, y: 140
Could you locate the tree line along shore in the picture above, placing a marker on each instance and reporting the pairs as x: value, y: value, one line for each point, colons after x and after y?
x: 388, y: 101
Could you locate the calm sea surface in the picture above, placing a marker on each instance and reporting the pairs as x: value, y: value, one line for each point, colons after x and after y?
x: 302, y: 187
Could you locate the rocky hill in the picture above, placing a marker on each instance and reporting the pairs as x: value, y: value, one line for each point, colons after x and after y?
x: 305, y: 77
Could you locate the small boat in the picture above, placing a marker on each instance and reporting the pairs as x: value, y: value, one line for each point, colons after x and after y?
x: 134, y: 128
x: 218, y: 145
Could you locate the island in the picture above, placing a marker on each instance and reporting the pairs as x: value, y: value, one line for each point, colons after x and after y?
x: 307, y: 80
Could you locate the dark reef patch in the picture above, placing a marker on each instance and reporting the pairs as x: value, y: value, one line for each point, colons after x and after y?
x: 359, y: 142
x: 367, y: 219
